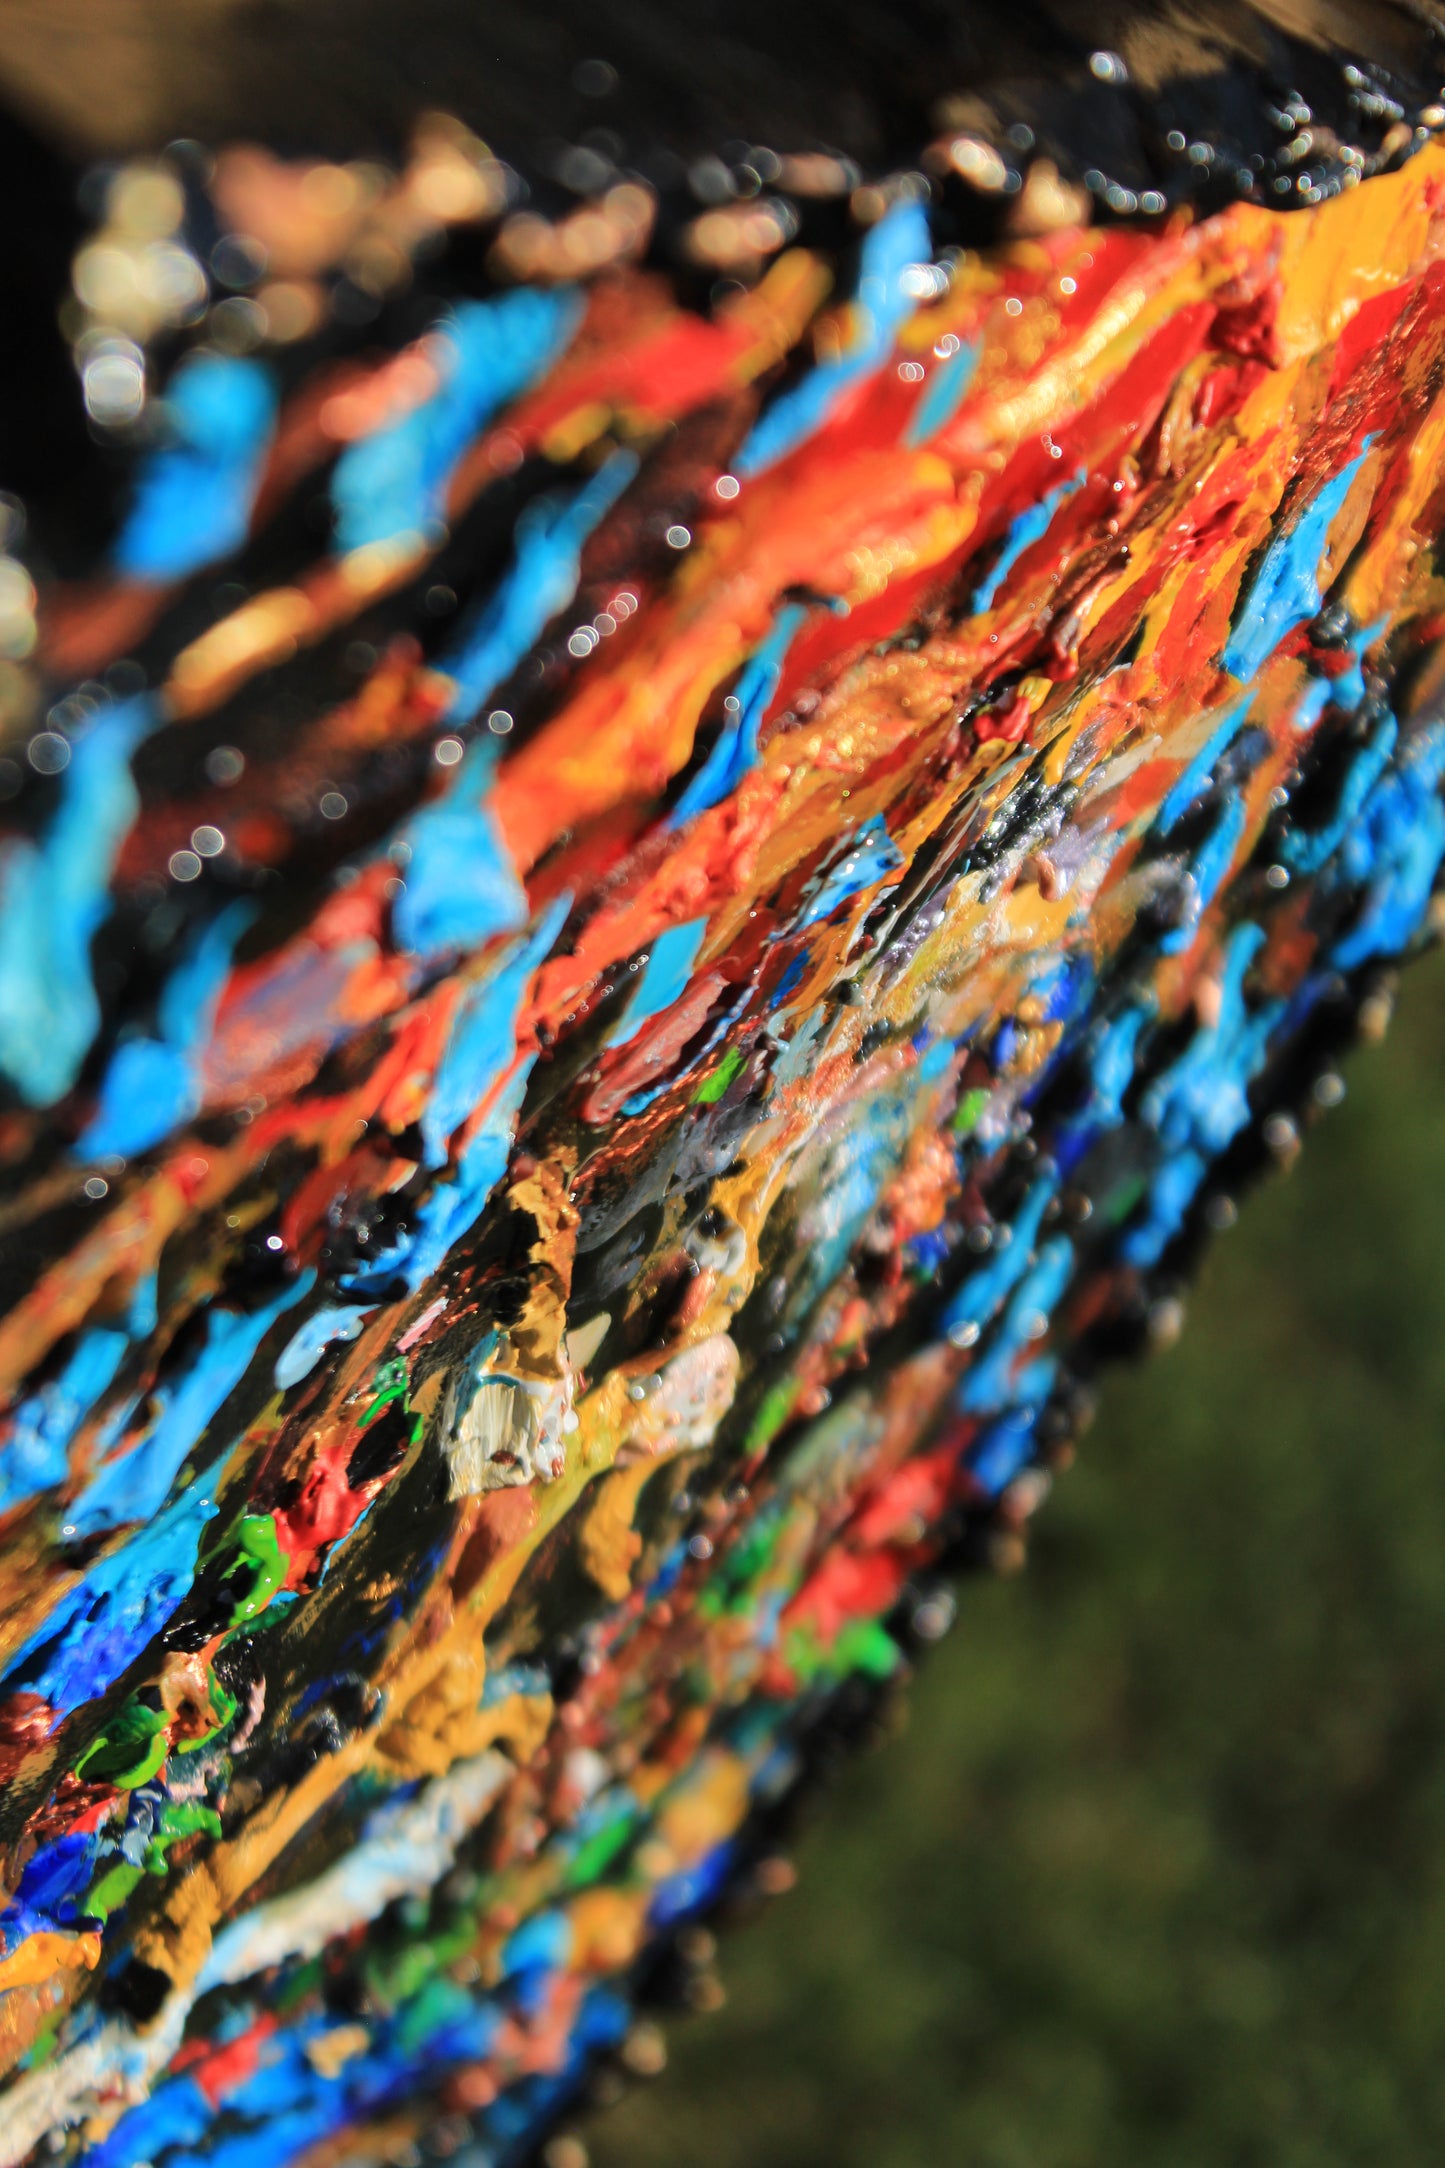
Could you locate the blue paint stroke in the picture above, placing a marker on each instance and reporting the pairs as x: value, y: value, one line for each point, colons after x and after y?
x: 1003, y: 1451
x: 1199, y: 1106
x: 1111, y: 1070
x: 1197, y: 777
x: 304, y: 1350
x: 34, y: 1457
x: 1029, y: 527
x: 393, y: 482
x: 736, y: 750
x: 1202, y: 1098
x: 691, y: 1888
x: 1208, y: 868
x: 136, y: 1485
x: 452, y: 1209
x: 1113, y: 1055
x: 899, y: 240
x: 1394, y: 849
x: 144, y: 1312
x: 991, y: 1383
x: 104, y: 1622
x: 54, y: 893
x: 177, y: 2113
x: 472, y: 1063
x: 1286, y: 589
x: 1305, y: 850
x: 482, y: 1040
x: 664, y: 978
x: 541, y: 580
x: 985, y: 1291
x: 194, y: 494
x: 154, y: 1084
x: 45, y: 1898
x: 869, y: 858
x: 1318, y: 694
x: 460, y: 887
x: 942, y: 395
x: 545, y: 1939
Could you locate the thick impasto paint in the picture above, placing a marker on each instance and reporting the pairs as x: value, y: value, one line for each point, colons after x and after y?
x: 635, y: 931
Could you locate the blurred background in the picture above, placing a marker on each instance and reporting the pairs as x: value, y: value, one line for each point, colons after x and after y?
x: 1156, y: 1871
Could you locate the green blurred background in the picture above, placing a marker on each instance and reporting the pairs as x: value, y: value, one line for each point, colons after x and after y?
x: 1156, y: 1873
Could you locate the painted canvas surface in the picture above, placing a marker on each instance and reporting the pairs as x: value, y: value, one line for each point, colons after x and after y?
x: 669, y: 841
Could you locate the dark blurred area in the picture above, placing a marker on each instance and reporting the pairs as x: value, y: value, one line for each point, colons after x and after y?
x: 1106, y: 91
x: 1156, y: 1871
x: 864, y: 79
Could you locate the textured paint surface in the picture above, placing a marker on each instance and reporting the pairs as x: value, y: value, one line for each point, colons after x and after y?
x: 595, y: 1072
